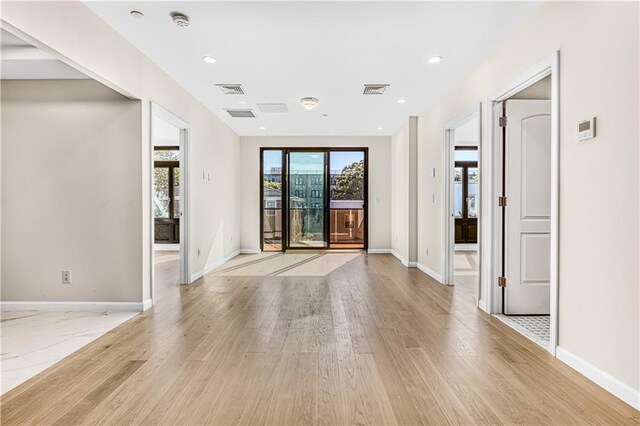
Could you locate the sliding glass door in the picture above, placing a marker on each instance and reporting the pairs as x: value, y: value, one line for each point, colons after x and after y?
x: 313, y: 198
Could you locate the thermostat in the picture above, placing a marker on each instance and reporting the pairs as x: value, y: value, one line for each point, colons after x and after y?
x: 587, y: 129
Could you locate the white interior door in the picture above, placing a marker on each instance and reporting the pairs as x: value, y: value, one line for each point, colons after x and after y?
x: 528, y: 211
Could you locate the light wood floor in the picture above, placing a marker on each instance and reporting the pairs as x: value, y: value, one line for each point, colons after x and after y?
x: 369, y: 343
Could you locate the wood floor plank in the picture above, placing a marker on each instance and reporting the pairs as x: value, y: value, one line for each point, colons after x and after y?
x: 354, y: 342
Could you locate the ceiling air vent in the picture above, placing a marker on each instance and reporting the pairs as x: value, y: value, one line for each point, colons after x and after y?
x: 231, y: 89
x: 241, y: 113
x: 273, y: 108
x: 375, y: 89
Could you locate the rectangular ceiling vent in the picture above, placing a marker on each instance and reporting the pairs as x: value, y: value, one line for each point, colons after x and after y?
x: 241, y: 113
x: 273, y: 108
x: 375, y: 89
x: 231, y: 89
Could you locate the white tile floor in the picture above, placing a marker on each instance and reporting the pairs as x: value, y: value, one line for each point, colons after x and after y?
x: 534, y: 327
x: 32, y: 341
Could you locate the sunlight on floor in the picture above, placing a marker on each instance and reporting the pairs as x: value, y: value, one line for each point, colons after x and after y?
x: 316, y: 264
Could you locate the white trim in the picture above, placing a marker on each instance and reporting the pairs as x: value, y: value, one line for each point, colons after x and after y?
x: 166, y: 247
x: 404, y: 261
x: 379, y: 251
x: 548, y: 66
x: 466, y: 247
x: 250, y: 251
x: 147, y: 304
x: 213, y: 266
x: 482, y: 305
x: 609, y: 383
x: 430, y: 272
x: 448, y: 242
x: 73, y: 306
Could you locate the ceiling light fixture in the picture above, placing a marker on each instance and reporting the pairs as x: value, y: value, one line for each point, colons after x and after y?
x: 137, y: 14
x: 434, y: 59
x: 209, y: 59
x: 262, y: 128
x: 380, y: 129
x: 309, y: 103
x: 242, y: 102
x: 402, y: 101
x: 180, y: 19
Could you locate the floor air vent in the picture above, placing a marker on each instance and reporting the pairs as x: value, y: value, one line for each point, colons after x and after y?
x: 241, y: 113
x: 231, y: 89
x: 375, y: 89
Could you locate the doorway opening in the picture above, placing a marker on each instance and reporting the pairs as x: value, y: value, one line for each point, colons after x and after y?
x: 524, y: 139
x: 462, y: 202
x: 169, y: 202
x: 313, y: 198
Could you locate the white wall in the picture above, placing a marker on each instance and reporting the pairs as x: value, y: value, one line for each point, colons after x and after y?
x: 379, y: 182
x: 71, y: 162
x: 102, y: 53
x: 599, y: 233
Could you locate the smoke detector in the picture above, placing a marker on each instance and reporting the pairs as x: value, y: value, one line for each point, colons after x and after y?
x: 180, y: 19
x: 309, y: 102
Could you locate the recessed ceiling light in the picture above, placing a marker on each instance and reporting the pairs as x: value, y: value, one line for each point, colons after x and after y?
x: 309, y: 103
x: 137, y: 14
x: 242, y: 102
x: 402, y: 101
x: 380, y: 129
x: 434, y: 59
x: 262, y: 128
x: 209, y: 59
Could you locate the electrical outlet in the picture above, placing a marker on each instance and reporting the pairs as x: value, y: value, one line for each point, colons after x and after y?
x: 66, y: 277
x: 198, y: 251
x: 427, y: 251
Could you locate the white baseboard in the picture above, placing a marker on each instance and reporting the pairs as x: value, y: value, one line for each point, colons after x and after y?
x: 379, y: 251
x: 74, y: 306
x: 250, y: 251
x: 213, y: 266
x: 609, y: 383
x: 166, y: 247
x: 482, y: 305
x: 404, y: 261
x: 147, y: 304
x: 430, y: 272
x: 466, y: 247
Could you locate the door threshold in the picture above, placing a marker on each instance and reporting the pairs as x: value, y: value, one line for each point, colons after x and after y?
x: 299, y: 251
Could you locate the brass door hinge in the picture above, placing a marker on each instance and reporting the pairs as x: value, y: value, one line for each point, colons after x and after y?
x: 502, y: 281
x: 502, y: 201
x: 502, y: 121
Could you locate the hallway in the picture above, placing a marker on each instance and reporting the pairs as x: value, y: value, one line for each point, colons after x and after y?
x: 317, y: 339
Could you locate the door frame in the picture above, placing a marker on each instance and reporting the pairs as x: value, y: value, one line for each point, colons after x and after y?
x: 285, y: 193
x: 157, y: 111
x: 448, y: 225
x: 548, y: 66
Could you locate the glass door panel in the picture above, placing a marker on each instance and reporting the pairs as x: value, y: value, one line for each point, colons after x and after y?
x: 306, y: 182
x: 272, y: 200
x: 346, y: 205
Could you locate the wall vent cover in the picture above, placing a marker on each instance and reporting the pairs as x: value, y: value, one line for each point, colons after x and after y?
x: 374, y: 89
x: 273, y: 108
x: 241, y: 113
x: 231, y: 89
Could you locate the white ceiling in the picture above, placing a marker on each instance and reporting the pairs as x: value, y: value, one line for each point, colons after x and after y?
x: 22, y: 61
x: 283, y: 51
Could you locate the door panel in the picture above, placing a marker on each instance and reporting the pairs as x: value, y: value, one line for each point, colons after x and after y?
x: 306, y: 181
x: 528, y: 191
